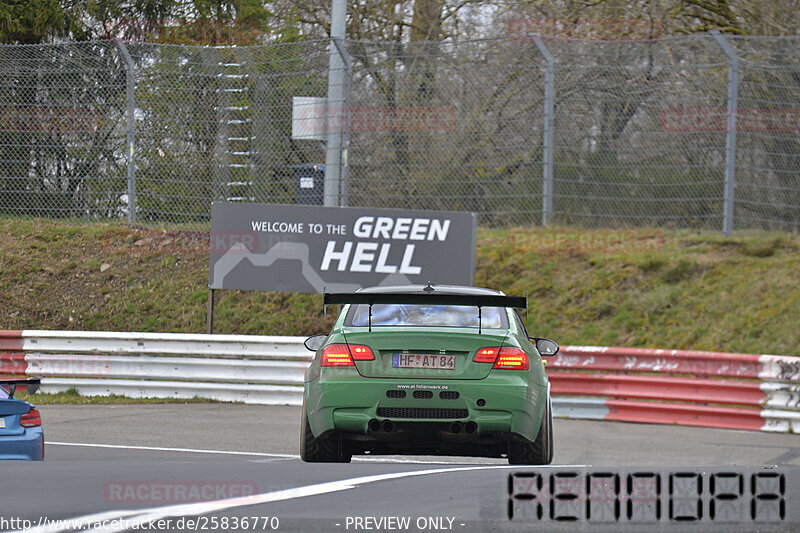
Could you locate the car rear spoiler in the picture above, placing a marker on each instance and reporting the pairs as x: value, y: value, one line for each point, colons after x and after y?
x: 429, y: 298
x: 372, y: 298
x: 32, y: 385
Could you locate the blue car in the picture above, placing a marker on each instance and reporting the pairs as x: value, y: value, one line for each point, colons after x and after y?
x: 21, y: 435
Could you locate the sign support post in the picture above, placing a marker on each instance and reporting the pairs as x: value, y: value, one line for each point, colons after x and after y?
x: 210, y: 313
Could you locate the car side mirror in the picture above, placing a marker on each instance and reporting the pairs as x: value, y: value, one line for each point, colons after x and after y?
x: 546, y: 347
x: 315, y: 342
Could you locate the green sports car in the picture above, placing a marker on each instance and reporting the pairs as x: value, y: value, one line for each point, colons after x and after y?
x: 427, y: 370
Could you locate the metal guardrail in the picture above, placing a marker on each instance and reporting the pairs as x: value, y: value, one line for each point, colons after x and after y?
x: 695, y: 388
x: 181, y: 344
x: 233, y: 368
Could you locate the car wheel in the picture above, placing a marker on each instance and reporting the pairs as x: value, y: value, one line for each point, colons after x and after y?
x: 538, y: 452
x: 325, y: 449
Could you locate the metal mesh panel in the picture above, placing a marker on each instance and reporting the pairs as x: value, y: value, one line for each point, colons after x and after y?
x: 639, y: 136
x: 625, y: 152
x: 214, y: 124
x: 768, y: 134
x: 61, y: 140
x: 458, y: 126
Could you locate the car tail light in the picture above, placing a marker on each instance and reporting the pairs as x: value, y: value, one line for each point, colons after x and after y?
x: 361, y: 353
x: 343, y: 355
x: 511, y: 358
x: 505, y: 358
x: 486, y: 355
x: 336, y: 355
x: 31, y: 419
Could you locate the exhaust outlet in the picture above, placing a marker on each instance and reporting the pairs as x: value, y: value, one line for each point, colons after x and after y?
x: 471, y: 427
x: 455, y: 427
x: 387, y: 426
x: 374, y: 425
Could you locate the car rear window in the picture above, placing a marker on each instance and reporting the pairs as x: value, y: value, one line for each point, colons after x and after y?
x: 455, y: 316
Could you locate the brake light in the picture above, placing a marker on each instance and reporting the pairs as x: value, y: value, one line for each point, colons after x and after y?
x: 361, y: 353
x: 505, y: 358
x: 511, y: 358
x: 343, y: 355
x: 336, y: 355
x: 486, y: 355
x: 31, y: 419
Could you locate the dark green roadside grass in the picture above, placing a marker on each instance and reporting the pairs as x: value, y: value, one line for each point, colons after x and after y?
x: 71, y: 397
x: 648, y: 288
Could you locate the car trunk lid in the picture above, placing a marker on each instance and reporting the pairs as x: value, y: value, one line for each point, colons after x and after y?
x: 10, y: 411
x: 395, y: 347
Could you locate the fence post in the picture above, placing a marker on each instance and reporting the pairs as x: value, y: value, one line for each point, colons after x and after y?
x: 549, y: 106
x: 344, y: 169
x: 730, y: 141
x: 334, y: 126
x: 130, y: 114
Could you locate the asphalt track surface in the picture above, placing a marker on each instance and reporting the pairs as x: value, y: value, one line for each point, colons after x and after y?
x: 131, y: 462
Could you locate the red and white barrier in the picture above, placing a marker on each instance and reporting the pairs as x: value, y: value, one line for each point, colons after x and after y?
x: 715, y: 389
x: 12, y: 356
x: 693, y: 388
x: 697, y: 363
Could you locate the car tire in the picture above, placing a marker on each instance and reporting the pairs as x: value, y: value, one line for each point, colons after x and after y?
x: 538, y: 452
x: 325, y: 449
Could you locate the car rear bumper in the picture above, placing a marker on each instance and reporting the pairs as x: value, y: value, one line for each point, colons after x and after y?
x: 26, y: 447
x: 504, y: 405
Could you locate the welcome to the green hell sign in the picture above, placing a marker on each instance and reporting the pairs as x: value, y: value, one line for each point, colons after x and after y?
x: 367, y: 255
x: 337, y: 248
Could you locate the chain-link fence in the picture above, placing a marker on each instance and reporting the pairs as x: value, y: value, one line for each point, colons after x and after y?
x: 521, y: 131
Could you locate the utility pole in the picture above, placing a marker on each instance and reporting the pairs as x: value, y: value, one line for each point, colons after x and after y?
x: 335, y: 114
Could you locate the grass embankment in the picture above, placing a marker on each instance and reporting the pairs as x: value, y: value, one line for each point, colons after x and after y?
x: 651, y: 288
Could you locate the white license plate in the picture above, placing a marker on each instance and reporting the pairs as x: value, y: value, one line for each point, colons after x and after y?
x: 424, y: 360
x: 2, y: 423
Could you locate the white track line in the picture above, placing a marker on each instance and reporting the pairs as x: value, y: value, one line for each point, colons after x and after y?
x: 163, y: 449
x: 134, y: 519
x: 362, y: 459
x: 401, y: 461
